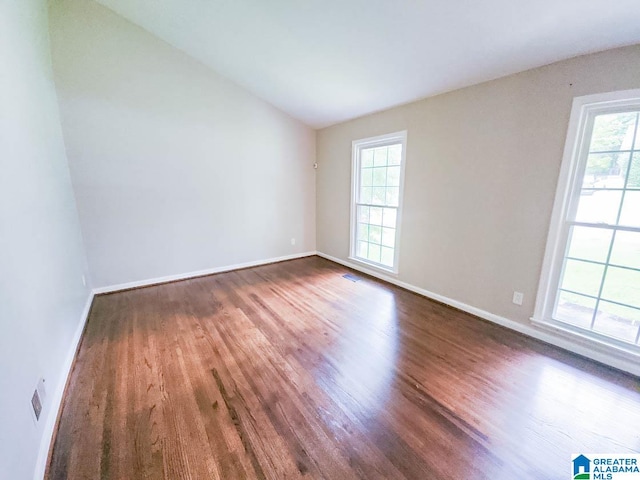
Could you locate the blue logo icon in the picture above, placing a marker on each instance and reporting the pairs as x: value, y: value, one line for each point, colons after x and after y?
x: 581, y: 468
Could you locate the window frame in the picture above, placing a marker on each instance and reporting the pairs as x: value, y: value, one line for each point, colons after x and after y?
x: 356, y: 148
x: 572, y: 171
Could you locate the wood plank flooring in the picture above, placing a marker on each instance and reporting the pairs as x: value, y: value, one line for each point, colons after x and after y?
x: 292, y: 371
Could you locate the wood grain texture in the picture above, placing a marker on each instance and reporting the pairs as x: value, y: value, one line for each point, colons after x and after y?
x: 290, y: 370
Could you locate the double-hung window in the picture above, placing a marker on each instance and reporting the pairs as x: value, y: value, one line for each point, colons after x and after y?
x: 591, y: 275
x: 377, y: 181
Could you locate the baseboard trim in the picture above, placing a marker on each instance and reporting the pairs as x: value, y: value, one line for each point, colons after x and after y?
x: 584, y: 348
x: 199, y: 273
x: 55, y: 403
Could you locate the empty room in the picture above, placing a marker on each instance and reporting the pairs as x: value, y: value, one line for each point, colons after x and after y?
x: 319, y: 239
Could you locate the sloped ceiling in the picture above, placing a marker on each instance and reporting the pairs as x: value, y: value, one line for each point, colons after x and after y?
x: 326, y: 61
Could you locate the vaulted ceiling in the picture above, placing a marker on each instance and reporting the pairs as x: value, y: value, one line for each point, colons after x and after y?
x: 325, y: 61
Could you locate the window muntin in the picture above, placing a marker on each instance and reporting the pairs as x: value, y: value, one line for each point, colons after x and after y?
x: 593, y: 285
x: 378, y: 168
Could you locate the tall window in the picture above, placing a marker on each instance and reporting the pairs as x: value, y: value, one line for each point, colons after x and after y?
x: 377, y: 180
x: 593, y: 255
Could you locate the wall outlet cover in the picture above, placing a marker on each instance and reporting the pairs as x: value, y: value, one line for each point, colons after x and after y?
x: 518, y: 298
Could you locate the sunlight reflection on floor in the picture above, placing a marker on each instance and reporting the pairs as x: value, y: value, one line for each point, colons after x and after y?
x: 366, y: 355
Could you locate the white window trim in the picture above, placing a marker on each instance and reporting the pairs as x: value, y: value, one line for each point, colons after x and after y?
x: 583, y: 112
x: 356, y: 147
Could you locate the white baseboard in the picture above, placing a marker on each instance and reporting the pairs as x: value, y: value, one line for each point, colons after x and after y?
x: 581, y: 346
x: 199, y: 273
x: 56, y: 399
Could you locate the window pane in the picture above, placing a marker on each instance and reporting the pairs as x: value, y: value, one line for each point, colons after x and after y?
x: 599, y: 206
x: 386, y: 257
x: 375, y: 234
x: 367, y: 158
x: 582, y: 277
x: 363, y: 214
x: 617, y: 321
x: 366, y: 180
x: 363, y: 231
x: 626, y: 249
x: 374, y: 253
x: 377, y: 196
x: 376, y: 216
x: 393, y: 176
x: 392, y: 196
x: 395, y: 154
x: 630, y: 215
x: 363, y: 248
x: 389, y: 219
x: 623, y: 286
x: 590, y: 243
x: 606, y: 170
x: 379, y: 176
x: 575, y: 309
x: 613, y: 131
x: 389, y: 237
x: 380, y: 157
x: 365, y: 194
x: 634, y: 174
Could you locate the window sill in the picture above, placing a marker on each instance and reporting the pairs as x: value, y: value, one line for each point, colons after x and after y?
x: 592, y: 340
x: 375, y: 266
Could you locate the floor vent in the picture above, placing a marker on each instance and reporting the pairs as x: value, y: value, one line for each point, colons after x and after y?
x: 36, y: 404
x: 353, y: 278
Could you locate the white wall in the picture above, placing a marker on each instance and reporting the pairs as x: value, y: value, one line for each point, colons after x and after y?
x: 41, y: 254
x: 175, y: 168
x: 481, y: 173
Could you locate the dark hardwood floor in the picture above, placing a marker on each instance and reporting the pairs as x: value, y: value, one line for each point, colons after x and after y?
x: 290, y: 370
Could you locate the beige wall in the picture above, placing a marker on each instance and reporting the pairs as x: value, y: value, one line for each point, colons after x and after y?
x: 481, y: 173
x: 175, y: 168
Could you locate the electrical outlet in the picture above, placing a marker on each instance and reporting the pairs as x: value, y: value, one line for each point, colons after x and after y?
x: 518, y: 298
x: 293, y: 241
